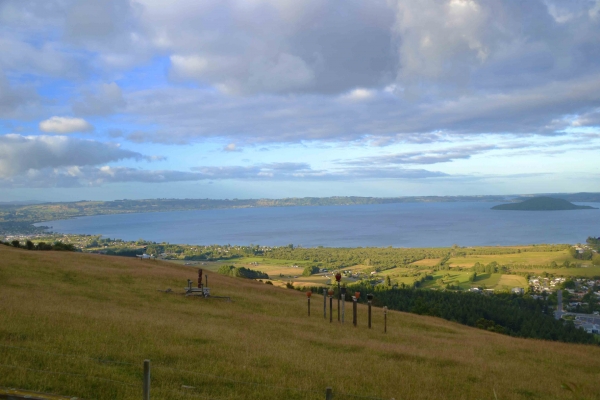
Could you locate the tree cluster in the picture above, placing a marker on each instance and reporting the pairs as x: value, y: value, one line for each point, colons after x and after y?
x: 241, y: 272
x: 379, y: 259
x: 29, y: 245
x: 514, y: 315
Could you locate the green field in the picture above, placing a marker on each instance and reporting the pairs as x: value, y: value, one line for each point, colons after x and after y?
x: 525, y: 258
x: 281, y: 271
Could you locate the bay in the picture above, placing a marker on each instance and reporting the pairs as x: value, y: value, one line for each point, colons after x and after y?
x: 377, y: 225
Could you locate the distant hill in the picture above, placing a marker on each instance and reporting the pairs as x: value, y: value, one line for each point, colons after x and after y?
x: 542, y: 204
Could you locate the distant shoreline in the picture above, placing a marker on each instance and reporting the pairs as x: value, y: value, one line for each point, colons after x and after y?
x: 20, y: 219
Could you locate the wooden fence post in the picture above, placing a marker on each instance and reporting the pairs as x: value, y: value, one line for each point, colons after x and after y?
x: 385, y: 319
x: 343, y: 307
x: 325, y: 303
x: 146, y: 379
x: 328, y: 394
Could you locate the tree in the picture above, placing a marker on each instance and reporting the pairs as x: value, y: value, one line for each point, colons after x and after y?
x: 388, y: 281
x: 309, y: 270
x: 15, y: 243
x: 29, y: 245
x: 569, y: 284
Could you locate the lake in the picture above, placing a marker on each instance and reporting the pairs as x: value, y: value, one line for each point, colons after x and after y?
x: 379, y: 225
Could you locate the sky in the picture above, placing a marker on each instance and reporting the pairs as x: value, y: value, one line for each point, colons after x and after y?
x: 115, y: 99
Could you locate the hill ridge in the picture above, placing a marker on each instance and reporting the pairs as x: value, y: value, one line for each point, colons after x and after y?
x: 542, y: 203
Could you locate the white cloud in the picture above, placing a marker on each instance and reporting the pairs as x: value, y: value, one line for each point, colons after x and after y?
x: 379, y: 73
x: 283, y: 72
x: 359, y: 94
x: 78, y: 175
x: 62, y: 125
x: 231, y: 147
x: 25, y: 154
x: 270, y: 46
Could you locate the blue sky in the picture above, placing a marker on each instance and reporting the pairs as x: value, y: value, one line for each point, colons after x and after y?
x: 111, y: 99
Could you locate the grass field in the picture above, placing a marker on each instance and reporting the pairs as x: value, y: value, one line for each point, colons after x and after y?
x: 585, y: 272
x: 511, y: 281
x: 81, y: 325
x: 428, y: 262
x: 280, y: 271
x: 533, y: 258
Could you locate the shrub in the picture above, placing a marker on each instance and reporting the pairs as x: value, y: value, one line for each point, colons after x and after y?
x: 241, y: 272
x: 310, y: 270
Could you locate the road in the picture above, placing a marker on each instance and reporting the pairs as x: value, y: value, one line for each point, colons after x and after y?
x: 559, y: 308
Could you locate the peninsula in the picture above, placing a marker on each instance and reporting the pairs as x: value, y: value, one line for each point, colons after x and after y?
x: 542, y: 204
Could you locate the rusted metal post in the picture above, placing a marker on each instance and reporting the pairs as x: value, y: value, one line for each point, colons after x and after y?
x: 354, y: 310
x: 328, y: 394
x: 309, y: 306
x: 146, y: 379
x: 206, y: 277
x: 330, y: 308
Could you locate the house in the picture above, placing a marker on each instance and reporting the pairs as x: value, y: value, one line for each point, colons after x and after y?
x: 591, y: 328
x: 517, y: 290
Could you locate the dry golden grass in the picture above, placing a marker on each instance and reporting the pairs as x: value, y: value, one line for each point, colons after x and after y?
x: 99, y: 307
x: 511, y: 281
x: 427, y: 262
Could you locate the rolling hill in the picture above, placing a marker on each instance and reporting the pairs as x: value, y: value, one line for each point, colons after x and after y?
x: 81, y: 325
x: 542, y: 204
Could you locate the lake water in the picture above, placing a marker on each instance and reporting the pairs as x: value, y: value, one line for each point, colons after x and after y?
x: 398, y: 225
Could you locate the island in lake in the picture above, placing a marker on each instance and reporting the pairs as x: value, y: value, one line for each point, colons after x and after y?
x: 542, y: 204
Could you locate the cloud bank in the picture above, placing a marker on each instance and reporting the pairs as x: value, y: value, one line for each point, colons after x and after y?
x: 442, y: 82
x: 20, y: 154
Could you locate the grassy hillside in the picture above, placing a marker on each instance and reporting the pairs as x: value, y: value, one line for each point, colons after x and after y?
x: 81, y: 325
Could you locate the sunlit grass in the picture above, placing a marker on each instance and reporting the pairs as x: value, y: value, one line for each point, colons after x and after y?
x: 108, y: 308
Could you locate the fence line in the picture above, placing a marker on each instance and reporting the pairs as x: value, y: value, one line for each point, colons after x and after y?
x: 187, y: 393
x: 234, y: 380
x: 68, y: 373
x: 67, y: 355
x: 164, y: 367
x: 264, y: 384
